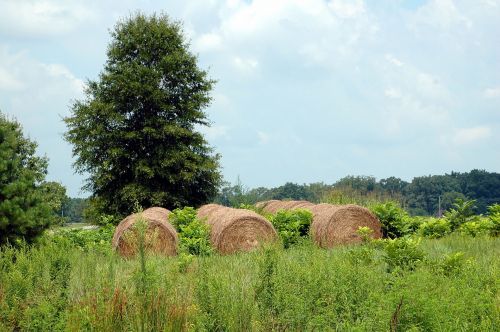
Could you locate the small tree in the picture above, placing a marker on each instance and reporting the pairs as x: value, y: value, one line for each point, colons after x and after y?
x: 54, y: 194
x: 24, y: 212
x: 462, y: 212
x: 135, y: 132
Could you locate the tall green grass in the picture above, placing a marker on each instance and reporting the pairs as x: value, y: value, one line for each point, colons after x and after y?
x: 58, y: 287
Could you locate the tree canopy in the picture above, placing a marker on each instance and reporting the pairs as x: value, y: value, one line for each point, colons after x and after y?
x: 136, y: 132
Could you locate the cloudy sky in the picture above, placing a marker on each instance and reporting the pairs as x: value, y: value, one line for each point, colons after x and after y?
x: 307, y: 90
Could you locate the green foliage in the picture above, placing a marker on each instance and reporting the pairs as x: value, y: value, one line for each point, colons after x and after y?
x: 451, y: 264
x: 135, y: 132
x: 482, y: 226
x: 435, y: 228
x: 73, y: 209
x: 83, y: 239
x: 57, y: 287
x: 54, y: 194
x: 265, y: 290
x: 194, y: 234
x: 292, y: 225
x: 494, y: 217
x: 24, y: 212
x: 403, y: 254
x: 365, y: 233
x: 395, y: 221
x: 233, y: 196
x: 462, y: 212
x: 419, y: 197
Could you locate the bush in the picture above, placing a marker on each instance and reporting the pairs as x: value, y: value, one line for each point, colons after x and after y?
x: 494, y: 217
x: 84, y: 239
x: 462, y: 212
x: 292, y: 225
x: 435, y: 228
x: 395, y: 221
x: 451, y: 264
x: 482, y: 226
x: 194, y: 234
x: 403, y: 254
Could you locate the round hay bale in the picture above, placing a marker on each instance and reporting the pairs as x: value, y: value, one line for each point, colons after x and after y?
x: 161, y: 237
x: 263, y: 204
x: 337, y: 224
x: 233, y: 230
x: 274, y: 205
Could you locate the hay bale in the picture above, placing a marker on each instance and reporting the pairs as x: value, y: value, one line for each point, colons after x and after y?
x: 263, y: 204
x: 274, y: 206
x: 233, y: 230
x: 337, y: 224
x: 161, y: 237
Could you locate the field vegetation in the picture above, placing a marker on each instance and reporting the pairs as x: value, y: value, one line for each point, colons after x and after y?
x: 72, y: 280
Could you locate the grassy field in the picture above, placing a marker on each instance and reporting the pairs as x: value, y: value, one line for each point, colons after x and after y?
x: 450, y: 284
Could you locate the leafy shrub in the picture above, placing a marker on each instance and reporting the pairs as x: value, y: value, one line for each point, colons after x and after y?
x: 494, y: 217
x: 403, y: 254
x: 462, y: 212
x: 452, y: 264
x: 194, y: 234
x: 482, y: 226
x: 395, y: 221
x: 84, y: 239
x: 292, y: 225
x: 435, y: 228
x: 365, y: 233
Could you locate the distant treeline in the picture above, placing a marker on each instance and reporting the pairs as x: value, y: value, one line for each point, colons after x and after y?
x: 421, y: 196
x: 73, y: 209
x: 424, y: 195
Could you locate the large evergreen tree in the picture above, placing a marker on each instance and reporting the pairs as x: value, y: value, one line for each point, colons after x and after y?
x: 135, y: 133
x: 24, y: 212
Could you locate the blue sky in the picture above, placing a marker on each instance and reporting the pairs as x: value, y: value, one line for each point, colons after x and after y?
x: 307, y: 90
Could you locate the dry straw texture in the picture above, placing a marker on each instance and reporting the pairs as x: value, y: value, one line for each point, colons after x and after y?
x: 233, y: 230
x: 274, y: 206
x: 160, y: 237
x: 338, y: 224
x: 332, y: 224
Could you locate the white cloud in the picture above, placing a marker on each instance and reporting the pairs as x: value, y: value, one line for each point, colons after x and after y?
x: 215, y: 132
x: 20, y: 74
x: 245, y: 65
x: 263, y: 137
x: 43, y: 96
x: 392, y: 59
x: 492, y: 92
x: 314, y: 32
x: 471, y: 135
x: 347, y: 9
x: 208, y: 42
x: 59, y: 71
x: 439, y: 14
x: 41, y: 18
x: 392, y: 93
x: 8, y: 81
x: 417, y: 101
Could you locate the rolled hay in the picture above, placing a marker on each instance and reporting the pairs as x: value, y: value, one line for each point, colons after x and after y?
x: 233, y: 230
x: 263, y: 204
x: 160, y: 235
x: 334, y: 225
x: 274, y: 206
